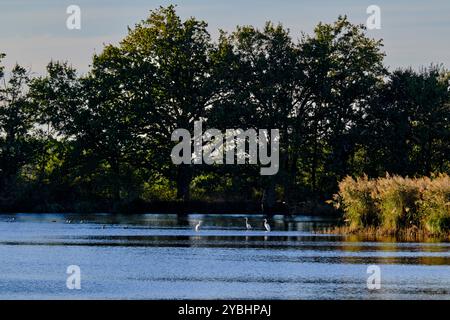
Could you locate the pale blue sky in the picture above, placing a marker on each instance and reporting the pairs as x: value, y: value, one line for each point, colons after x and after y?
x: 32, y: 32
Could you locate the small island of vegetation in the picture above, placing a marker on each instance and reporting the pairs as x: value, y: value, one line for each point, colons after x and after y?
x: 410, y: 208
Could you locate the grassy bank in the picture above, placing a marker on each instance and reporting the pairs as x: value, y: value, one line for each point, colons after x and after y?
x: 414, y: 208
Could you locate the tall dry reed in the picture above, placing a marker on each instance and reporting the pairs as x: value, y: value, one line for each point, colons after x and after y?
x: 395, y: 203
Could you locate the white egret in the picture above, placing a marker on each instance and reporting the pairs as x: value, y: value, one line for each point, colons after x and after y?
x: 197, y: 227
x: 266, y: 225
x: 247, y: 225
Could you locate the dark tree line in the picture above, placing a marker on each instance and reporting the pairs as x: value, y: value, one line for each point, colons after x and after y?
x: 103, y: 140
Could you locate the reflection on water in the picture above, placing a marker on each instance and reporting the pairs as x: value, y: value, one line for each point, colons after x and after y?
x: 162, y: 257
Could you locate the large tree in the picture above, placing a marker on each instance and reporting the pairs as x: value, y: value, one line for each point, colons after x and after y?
x: 181, y: 56
x: 16, y: 124
x: 314, y: 91
x: 408, y: 124
x: 265, y: 90
x: 346, y: 68
x: 100, y: 116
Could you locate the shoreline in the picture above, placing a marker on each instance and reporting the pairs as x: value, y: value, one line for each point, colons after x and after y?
x: 181, y: 208
x: 377, y: 233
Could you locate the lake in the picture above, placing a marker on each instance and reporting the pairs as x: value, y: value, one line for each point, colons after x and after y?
x: 162, y: 257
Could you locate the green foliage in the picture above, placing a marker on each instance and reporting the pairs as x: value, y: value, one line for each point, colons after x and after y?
x: 17, y: 146
x: 407, y: 128
x: 173, y: 59
x: 159, y: 188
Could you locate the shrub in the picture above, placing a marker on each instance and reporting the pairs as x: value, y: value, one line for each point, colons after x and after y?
x: 357, y: 201
x: 435, y: 205
x: 397, y: 199
x: 392, y: 204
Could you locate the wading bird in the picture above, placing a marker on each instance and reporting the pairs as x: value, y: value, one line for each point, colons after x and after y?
x: 247, y: 225
x: 197, y: 227
x: 266, y: 225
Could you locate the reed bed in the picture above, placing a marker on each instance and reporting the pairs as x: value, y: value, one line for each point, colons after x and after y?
x: 394, y: 205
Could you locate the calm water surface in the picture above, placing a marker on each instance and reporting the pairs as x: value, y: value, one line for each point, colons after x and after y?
x: 162, y: 257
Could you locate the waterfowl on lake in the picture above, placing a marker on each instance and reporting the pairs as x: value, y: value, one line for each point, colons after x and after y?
x: 247, y: 225
x: 197, y: 227
x: 266, y: 225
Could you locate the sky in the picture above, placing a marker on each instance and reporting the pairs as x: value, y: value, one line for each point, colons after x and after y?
x: 416, y: 33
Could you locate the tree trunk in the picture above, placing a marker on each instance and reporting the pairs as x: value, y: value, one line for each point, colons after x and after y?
x: 314, y: 166
x: 115, y: 169
x: 269, y: 197
x: 184, y: 177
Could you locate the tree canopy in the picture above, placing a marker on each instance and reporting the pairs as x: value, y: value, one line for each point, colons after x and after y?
x: 102, y: 141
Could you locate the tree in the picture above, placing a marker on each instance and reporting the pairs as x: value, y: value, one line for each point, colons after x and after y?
x: 265, y: 91
x: 119, y: 101
x: 59, y: 99
x: 408, y: 127
x: 350, y: 69
x: 100, y: 117
x: 180, y: 53
x: 16, y: 123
